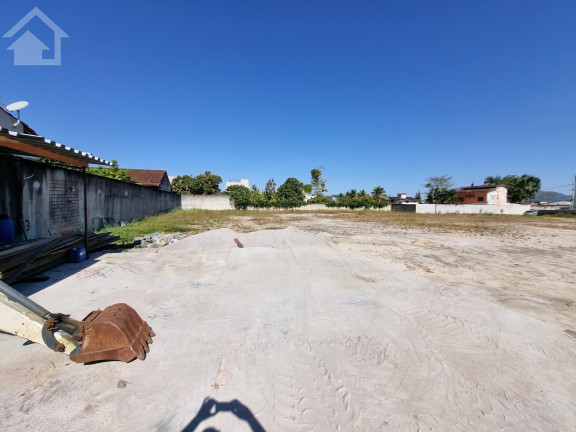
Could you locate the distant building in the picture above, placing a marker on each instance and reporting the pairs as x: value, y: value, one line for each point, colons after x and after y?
x: 484, y: 194
x: 560, y: 204
x: 241, y: 182
x: 401, y: 198
x: 157, y: 179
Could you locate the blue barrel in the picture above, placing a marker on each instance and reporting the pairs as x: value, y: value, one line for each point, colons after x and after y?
x: 6, y: 229
x: 76, y: 254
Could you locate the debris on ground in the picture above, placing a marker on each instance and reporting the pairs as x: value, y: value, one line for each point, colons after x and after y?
x: 157, y: 239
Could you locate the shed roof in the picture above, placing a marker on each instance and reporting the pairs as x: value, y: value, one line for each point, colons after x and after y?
x: 146, y: 177
x: 34, y: 145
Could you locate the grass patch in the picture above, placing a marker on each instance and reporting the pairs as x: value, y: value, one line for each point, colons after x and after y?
x: 197, y: 221
x: 184, y: 221
x: 458, y: 222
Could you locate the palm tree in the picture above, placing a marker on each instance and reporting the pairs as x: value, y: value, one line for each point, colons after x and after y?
x: 493, y: 180
x: 378, y: 193
x: 531, y: 185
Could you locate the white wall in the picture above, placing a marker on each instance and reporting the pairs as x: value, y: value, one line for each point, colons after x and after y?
x: 508, y: 209
x: 206, y: 202
x: 242, y: 182
x: 316, y: 207
x: 499, y: 196
x: 222, y: 202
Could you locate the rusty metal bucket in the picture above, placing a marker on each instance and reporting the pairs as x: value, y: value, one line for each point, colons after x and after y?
x: 115, y: 333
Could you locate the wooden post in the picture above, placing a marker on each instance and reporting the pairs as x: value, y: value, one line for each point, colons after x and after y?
x: 85, y: 214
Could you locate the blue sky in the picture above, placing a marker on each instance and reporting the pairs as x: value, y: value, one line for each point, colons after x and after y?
x: 381, y: 93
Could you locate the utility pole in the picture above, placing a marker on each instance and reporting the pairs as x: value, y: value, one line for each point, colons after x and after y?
x: 573, y: 205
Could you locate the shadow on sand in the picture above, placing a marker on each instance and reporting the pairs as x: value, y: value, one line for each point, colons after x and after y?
x: 34, y: 284
x: 211, y: 407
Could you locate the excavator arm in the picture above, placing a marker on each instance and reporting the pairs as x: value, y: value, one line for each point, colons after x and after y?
x: 115, y: 333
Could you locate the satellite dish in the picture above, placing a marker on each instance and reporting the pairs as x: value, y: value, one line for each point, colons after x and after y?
x: 17, y: 106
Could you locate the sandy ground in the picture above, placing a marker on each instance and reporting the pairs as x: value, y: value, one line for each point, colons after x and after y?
x: 325, y: 325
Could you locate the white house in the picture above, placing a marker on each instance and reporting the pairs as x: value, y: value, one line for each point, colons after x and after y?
x: 241, y: 182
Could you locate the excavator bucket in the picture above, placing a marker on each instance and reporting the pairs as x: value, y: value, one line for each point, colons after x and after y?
x: 115, y: 333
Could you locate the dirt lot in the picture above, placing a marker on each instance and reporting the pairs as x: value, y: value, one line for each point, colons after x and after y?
x: 527, y: 264
x: 341, y: 321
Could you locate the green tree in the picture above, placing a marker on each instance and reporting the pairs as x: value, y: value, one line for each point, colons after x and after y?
x: 258, y: 200
x: 378, y: 193
x: 270, y: 186
x: 444, y: 181
x: 113, y: 172
x: 291, y: 193
x: 353, y: 199
x: 520, y: 188
x: 202, y: 184
x: 418, y: 196
x: 210, y: 183
x: 270, y: 191
x: 493, y: 180
x: 441, y: 190
x: 439, y: 195
x: 187, y: 185
x: 239, y: 196
x: 318, y: 183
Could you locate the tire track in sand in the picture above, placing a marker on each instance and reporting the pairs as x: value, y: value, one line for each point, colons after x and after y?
x: 308, y: 397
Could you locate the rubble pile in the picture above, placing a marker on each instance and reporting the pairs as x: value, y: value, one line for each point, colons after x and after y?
x: 157, y: 239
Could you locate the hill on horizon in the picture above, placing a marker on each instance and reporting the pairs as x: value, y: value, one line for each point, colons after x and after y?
x: 550, y: 196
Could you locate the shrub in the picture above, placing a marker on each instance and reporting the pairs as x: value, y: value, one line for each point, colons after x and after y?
x: 290, y: 194
x: 239, y: 196
x: 202, y: 184
x: 354, y: 200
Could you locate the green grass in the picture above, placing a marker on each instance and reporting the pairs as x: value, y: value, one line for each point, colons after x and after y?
x: 184, y: 221
x: 197, y: 221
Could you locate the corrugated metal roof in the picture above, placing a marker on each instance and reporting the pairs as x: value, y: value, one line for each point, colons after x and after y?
x: 34, y: 145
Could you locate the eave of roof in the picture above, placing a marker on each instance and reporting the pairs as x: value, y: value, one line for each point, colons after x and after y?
x: 34, y: 145
x: 481, y: 187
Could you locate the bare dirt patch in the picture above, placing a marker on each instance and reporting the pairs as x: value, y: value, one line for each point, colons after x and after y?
x: 324, y: 321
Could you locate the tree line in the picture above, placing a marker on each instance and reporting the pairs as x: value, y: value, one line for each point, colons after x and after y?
x: 290, y: 194
x: 293, y: 193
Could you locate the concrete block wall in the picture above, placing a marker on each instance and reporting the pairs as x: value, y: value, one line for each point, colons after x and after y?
x: 42, y: 200
x: 112, y: 201
x: 206, y: 202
